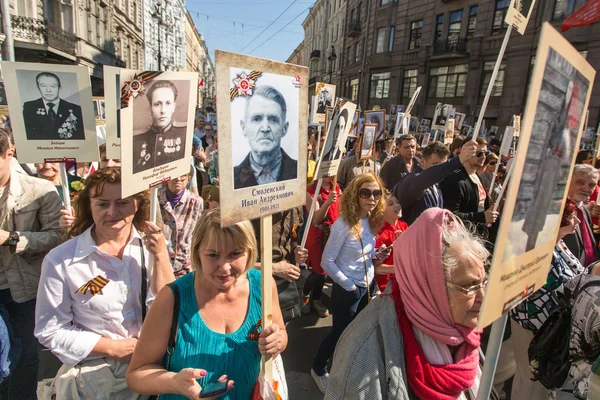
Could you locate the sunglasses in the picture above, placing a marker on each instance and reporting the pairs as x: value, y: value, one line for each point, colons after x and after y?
x: 367, y: 193
x: 481, y: 153
x: 493, y: 163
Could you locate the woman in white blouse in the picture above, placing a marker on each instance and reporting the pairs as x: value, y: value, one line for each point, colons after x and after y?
x: 348, y: 259
x: 95, y: 289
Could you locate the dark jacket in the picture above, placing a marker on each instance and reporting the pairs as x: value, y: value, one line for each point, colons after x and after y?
x: 243, y: 175
x: 419, y: 191
x: 68, y: 124
x: 575, y: 243
x: 394, y: 170
x: 461, y: 196
x: 152, y: 148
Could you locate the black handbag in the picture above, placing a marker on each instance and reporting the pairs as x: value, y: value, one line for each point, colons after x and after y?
x: 289, y: 299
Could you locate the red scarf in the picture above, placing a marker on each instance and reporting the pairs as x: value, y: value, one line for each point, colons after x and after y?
x: 433, y: 382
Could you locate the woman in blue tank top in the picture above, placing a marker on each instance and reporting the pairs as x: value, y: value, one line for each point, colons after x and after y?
x: 220, y: 306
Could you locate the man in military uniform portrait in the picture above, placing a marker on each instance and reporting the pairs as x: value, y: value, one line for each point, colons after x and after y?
x: 50, y: 117
x: 164, y: 141
x: 264, y: 125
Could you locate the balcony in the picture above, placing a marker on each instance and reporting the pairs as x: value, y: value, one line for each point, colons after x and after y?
x: 315, y: 55
x: 452, y: 46
x: 353, y: 29
x: 40, y: 31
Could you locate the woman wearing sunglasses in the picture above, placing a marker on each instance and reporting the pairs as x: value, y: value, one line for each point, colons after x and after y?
x: 348, y: 259
x: 419, y: 338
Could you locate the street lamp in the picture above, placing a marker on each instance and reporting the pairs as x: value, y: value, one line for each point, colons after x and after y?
x: 332, y: 57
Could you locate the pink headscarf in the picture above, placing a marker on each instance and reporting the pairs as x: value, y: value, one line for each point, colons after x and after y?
x: 420, y: 275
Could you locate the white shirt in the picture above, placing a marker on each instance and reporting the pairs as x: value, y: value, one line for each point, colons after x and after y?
x: 55, y: 108
x: 343, y: 255
x: 69, y: 323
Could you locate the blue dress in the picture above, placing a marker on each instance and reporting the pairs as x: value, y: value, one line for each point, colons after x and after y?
x: 234, y: 354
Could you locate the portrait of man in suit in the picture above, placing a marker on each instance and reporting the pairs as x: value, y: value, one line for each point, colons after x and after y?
x: 164, y: 141
x: 50, y: 117
x: 332, y: 139
x: 323, y: 100
x: 264, y: 125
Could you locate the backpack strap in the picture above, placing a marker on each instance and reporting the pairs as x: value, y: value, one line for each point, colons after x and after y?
x: 174, y: 323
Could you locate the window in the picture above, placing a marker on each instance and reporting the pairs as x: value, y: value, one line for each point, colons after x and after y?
x: 354, y: 89
x: 584, y: 54
x: 499, y: 16
x: 416, y: 30
x: 472, y: 22
x: 454, y: 26
x: 439, y: 27
x: 488, y: 68
x: 24, y: 8
x: 349, y: 52
x: 410, y: 82
x: 380, y: 40
x: 358, y: 9
x: 357, y: 51
x: 563, y: 8
x: 391, y: 41
x: 384, y: 2
x: 380, y: 85
x: 448, y: 81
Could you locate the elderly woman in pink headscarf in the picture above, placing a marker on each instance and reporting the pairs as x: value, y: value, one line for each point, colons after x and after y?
x: 419, y: 339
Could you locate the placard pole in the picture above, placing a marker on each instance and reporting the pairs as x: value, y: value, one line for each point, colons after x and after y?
x: 318, y: 143
x: 153, y: 208
x: 64, y: 182
x: 488, y: 94
x: 491, y: 358
x: 266, y: 254
x: 311, y: 212
x: 597, y: 148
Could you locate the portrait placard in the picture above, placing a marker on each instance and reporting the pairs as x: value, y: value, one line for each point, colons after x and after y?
x: 449, y: 131
x: 518, y: 14
x: 517, y: 125
x: 112, y: 104
x: 393, y: 109
x: 367, y: 141
x: 459, y: 119
x: 442, y: 113
x: 413, y: 101
x: 51, y: 111
x: 335, y: 140
x: 157, y: 124
x: 507, y: 141
x: 425, y: 141
x: 325, y: 94
x: 558, y: 97
x: 262, y: 115
x: 376, y: 117
x: 355, y: 123
x: 401, y: 126
x: 413, y: 125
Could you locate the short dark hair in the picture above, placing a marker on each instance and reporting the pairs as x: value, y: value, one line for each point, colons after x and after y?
x: 6, y: 140
x: 47, y: 75
x: 436, y: 148
x: 159, y: 85
x: 343, y: 113
x: 583, y: 155
x: 404, y: 137
x: 479, y: 140
x: 457, y: 142
x: 102, y: 148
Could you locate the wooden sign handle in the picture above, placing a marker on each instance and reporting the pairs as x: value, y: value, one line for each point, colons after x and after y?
x: 266, y: 254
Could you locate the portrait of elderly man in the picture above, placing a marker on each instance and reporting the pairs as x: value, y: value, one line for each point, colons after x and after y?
x: 264, y: 125
x: 323, y: 100
x: 332, y: 139
x: 164, y: 141
x: 50, y: 117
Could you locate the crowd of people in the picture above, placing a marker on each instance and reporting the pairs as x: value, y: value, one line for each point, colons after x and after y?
x: 404, y: 240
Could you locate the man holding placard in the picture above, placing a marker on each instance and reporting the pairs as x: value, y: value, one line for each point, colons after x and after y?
x: 264, y: 125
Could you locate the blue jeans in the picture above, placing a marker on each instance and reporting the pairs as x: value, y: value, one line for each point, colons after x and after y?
x: 22, y: 382
x: 345, y: 306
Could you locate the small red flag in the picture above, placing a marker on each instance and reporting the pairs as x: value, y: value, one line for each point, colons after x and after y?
x: 586, y: 14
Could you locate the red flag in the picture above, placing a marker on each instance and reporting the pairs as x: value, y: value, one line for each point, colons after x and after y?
x: 586, y: 14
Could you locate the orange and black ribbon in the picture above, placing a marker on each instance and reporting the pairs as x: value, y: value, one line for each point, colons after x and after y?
x: 254, y: 335
x: 95, y: 286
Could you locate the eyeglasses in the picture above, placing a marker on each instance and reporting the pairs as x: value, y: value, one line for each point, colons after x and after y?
x: 493, y: 163
x: 469, y: 291
x: 366, y: 193
x: 481, y: 153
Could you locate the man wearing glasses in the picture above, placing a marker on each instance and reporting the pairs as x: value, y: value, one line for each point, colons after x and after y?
x: 463, y: 192
x: 488, y: 173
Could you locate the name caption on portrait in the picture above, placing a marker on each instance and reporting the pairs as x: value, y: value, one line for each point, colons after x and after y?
x: 521, y: 270
x: 58, y: 146
x: 266, y: 197
x: 159, y: 171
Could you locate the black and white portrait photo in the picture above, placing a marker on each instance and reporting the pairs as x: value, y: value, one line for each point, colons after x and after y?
x: 376, y: 117
x: 393, y: 110
x: 161, y: 124
x: 51, y: 105
x: 442, y: 113
x: 264, y: 131
x: 339, y: 122
x: 325, y: 96
x: 367, y: 141
x: 3, y: 101
x: 355, y: 123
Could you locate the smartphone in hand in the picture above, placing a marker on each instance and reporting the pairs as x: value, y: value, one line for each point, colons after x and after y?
x: 214, y: 389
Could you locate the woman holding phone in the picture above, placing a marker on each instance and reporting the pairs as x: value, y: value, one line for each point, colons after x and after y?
x: 349, y: 259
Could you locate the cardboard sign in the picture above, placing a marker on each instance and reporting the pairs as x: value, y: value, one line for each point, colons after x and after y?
x: 518, y: 14
x: 262, y: 117
x: 425, y: 141
x: 112, y: 104
x: 354, y: 131
x: 325, y: 94
x: 51, y: 111
x: 459, y: 119
x: 157, y: 124
x: 367, y: 141
x: 517, y: 125
x: 553, y: 121
x: 376, y: 117
x: 449, y: 131
x: 442, y: 113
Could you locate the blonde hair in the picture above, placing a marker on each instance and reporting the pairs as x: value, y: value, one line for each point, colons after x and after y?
x: 209, y: 234
x: 350, y: 205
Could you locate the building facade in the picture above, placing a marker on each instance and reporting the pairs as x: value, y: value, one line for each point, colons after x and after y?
x: 297, y: 56
x: 164, y: 35
x: 197, y: 59
x: 449, y: 48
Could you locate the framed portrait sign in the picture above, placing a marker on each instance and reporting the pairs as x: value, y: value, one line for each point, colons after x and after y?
x: 354, y: 131
x: 367, y: 141
x: 3, y: 101
x: 449, y: 131
x: 325, y: 94
x: 442, y: 113
x: 51, y: 111
x: 413, y: 125
x: 157, y: 124
x: 459, y: 119
x: 518, y: 14
x: 558, y: 98
x: 425, y: 141
x: 517, y: 125
x: 262, y: 115
x: 376, y: 117
x: 328, y: 116
x: 335, y: 140
x: 112, y: 105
